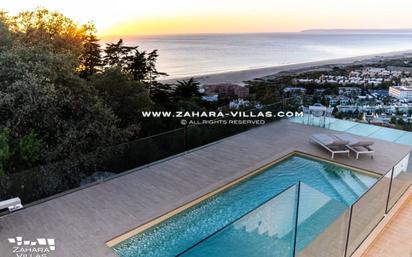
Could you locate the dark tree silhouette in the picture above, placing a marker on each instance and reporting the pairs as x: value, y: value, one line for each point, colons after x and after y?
x: 187, y: 88
x: 140, y: 65
x: 117, y: 54
x: 153, y: 73
x: 91, y: 59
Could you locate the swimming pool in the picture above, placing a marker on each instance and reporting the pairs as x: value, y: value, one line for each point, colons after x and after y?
x: 361, y: 129
x: 329, y: 190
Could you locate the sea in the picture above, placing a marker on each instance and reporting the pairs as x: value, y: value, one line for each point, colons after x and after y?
x: 191, y: 55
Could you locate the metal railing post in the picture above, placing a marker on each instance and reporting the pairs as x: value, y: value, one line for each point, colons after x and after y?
x: 389, y: 192
x: 185, y: 138
x: 348, y: 233
x: 296, y: 220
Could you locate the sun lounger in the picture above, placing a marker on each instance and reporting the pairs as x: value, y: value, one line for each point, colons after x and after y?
x: 11, y: 204
x: 358, y: 146
x: 330, y: 143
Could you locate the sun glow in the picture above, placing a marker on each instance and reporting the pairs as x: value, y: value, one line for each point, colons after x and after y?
x: 131, y: 17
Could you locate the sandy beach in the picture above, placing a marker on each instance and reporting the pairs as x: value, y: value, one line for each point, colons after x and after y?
x: 238, y: 77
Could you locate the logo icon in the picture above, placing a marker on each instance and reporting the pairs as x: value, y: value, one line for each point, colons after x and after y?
x: 38, y: 247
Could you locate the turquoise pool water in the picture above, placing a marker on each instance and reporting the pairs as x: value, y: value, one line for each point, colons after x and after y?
x: 328, y: 190
x: 361, y: 129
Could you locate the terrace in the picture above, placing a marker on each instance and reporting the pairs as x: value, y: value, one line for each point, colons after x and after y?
x: 83, y: 221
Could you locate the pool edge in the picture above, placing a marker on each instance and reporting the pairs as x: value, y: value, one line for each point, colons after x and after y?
x: 153, y: 222
x: 334, y: 162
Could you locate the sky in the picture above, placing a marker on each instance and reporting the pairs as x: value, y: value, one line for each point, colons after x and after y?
x: 155, y: 17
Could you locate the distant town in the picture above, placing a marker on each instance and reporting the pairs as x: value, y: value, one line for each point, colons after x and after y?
x: 378, y: 93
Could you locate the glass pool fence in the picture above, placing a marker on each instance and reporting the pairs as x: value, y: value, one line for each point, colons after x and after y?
x: 294, y: 223
x: 40, y: 183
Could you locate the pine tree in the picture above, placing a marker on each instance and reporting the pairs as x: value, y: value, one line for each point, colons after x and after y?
x: 91, y: 59
x: 119, y: 55
x: 138, y: 66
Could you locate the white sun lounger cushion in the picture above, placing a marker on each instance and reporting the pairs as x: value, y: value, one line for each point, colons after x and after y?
x: 329, y: 140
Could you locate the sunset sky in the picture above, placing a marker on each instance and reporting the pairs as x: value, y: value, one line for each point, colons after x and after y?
x: 143, y: 17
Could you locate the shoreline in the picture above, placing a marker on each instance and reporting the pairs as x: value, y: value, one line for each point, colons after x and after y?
x: 238, y: 77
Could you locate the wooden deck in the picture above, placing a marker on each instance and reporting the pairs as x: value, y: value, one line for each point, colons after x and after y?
x: 81, y: 222
x: 395, y: 240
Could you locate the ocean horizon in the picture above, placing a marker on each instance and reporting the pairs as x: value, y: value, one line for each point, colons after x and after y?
x: 200, y: 54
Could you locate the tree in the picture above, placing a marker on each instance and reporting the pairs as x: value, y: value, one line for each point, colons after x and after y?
x: 40, y: 94
x: 152, y: 72
x: 162, y: 95
x: 139, y: 65
x: 118, y: 55
x: 188, y: 105
x: 30, y: 148
x: 57, y: 100
x: 187, y: 95
x: 264, y: 91
x: 5, y: 151
x: 90, y: 59
x: 187, y: 89
x: 5, y: 35
x: 52, y: 30
x: 339, y: 115
x: 20, y: 153
x: 127, y: 98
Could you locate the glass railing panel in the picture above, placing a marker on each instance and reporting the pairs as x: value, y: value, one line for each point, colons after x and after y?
x: 267, y: 231
x: 143, y: 151
x: 48, y: 180
x: 322, y: 225
x: 254, y: 120
x: 43, y: 181
x: 202, y: 134
x: 401, y: 180
x: 367, y: 212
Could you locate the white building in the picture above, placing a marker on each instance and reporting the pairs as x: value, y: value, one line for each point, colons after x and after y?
x: 236, y: 104
x: 407, y: 82
x: 299, y: 90
x: 350, y: 91
x: 210, y: 98
x: 338, y: 100
x: 401, y: 92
